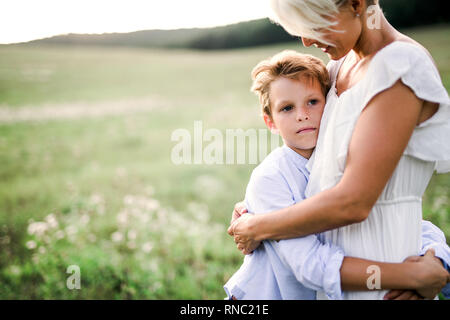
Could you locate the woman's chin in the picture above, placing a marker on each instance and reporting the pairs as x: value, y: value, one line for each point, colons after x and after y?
x: 335, y: 54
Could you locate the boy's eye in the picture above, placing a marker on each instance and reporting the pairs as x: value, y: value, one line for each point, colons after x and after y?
x: 287, y: 108
x: 313, y: 102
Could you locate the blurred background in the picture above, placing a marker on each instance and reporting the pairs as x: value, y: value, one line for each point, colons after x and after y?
x: 90, y: 92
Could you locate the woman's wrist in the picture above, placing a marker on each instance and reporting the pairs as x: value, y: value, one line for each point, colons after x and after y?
x: 412, y: 275
x: 254, y: 228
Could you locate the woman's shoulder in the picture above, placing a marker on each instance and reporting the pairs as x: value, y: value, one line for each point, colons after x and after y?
x: 410, y: 62
x: 404, y: 52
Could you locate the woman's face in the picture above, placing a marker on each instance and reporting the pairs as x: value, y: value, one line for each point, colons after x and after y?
x: 344, y: 35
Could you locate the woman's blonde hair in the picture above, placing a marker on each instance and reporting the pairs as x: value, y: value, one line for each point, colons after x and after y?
x: 288, y: 64
x: 304, y: 18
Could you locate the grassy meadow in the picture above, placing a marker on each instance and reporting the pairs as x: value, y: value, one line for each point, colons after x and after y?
x: 86, y: 176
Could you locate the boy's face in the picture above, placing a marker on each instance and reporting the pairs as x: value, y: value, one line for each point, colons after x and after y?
x: 297, y: 107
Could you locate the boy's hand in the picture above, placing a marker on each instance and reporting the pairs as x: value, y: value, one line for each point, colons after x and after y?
x: 239, y: 210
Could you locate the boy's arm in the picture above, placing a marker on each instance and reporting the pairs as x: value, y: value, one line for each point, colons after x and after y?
x: 315, y: 265
x: 433, y: 237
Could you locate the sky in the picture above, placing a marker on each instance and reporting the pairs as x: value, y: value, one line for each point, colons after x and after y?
x: 25, y: 20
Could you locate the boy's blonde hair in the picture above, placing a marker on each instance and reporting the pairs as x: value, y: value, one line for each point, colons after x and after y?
x: 291, y: 65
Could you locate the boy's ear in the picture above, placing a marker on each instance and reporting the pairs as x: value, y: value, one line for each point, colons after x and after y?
x: 270, y: 124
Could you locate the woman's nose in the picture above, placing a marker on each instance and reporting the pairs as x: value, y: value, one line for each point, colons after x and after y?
x: 307, y: 42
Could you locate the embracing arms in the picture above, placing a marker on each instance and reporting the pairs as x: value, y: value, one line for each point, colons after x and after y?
x: 379, y: 139
x: 321, y: 265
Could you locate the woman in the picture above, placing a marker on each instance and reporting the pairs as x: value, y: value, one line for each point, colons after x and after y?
x: 382, y: 135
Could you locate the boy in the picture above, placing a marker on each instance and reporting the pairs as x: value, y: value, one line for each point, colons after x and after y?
x: 292, y: 88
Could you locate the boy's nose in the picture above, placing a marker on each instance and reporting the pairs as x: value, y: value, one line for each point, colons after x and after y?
x: 302, y: 116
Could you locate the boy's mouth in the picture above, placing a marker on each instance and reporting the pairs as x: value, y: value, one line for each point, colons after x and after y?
x: 305, y: 130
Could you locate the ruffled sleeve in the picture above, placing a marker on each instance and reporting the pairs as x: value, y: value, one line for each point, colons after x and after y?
x: 414, y: 67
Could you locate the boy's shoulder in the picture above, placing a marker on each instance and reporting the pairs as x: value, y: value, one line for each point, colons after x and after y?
x: 273, y: 163
x: 277, y: 182
x: 281, y: 162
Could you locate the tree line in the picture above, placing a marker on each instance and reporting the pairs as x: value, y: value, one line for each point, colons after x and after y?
x: 400, y: 13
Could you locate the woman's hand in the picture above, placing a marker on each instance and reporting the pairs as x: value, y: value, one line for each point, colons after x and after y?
x: 240, y: 229
x: 432, y: 276
x: 404, y: 294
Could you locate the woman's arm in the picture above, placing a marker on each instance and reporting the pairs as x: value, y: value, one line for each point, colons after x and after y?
x: 379, y: 139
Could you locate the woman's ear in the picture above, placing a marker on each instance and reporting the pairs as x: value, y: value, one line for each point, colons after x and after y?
x: 357, y: 6
x: 270, y: 124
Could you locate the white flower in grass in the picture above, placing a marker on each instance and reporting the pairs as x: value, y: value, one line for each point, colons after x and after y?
x: 117, y: 236
x: 128, y: 200
x: 96, y: 199
x: 152, y: 204
x: 51, y: 221
x: 147, y: 247
x: 37, y: 228
x: 42, y: 250
x: 71, y: 230
x: 132, y: 234
x: 15, y: 270
x: 59, y: 234
x: 122, y: 219
x: 155, y: 286
x: 31, y: 244
x: 84, y: 219
x: 145, y: 218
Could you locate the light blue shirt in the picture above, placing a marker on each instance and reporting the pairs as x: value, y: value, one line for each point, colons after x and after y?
x: 295, y: 269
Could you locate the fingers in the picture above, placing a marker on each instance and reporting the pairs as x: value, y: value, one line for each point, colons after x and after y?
x: 406, y: 295
x: 239, y: 210
x: 416, y: 297
x: 392, y: 294
x: 230, y: 230
x: 235, y: 215
x: 243, y: 249
x: 402, y: 295
x: 430, y: 252
x: 240, y: 207
x: 413, y: 259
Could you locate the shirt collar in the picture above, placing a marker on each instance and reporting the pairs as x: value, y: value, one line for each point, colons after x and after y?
x: 299, y: 161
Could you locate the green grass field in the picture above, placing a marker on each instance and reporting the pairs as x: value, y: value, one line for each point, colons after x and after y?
x: 86, y: 176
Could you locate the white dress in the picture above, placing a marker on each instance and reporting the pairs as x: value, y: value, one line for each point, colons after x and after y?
x: 392, y: 231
